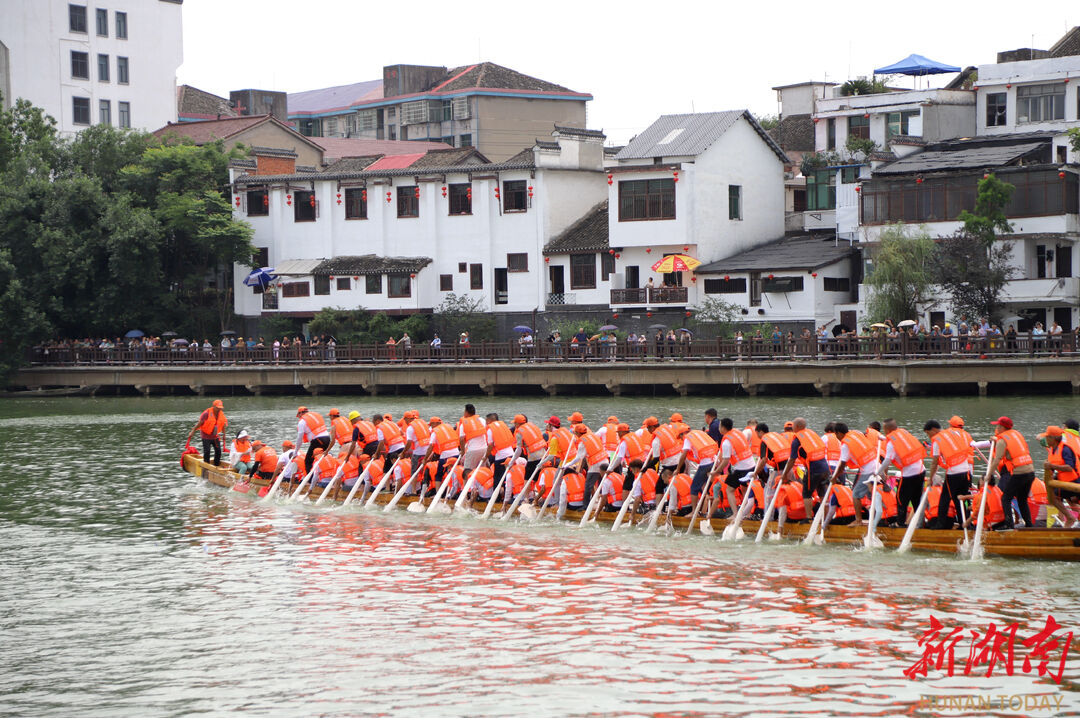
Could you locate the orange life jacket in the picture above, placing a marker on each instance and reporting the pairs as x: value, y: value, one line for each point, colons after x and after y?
x: 501, y: 438
x: 367, y: 432
x: 212, y: 425
x: 635, y: 449
x: 811, y: 445
x: 615, y: 492
x: 779, y: 446
x: 314, y: 421
x: 531, y: 437
x: 352, y: 467
x: 301, y: 468
x: 966, y: 438
x: 243, y: 447
x: 575, y: 486
x: 862, y: 451
x: 328, y: 466
x: 267, y: 458
x: 876, y: 439
x: 791, y: 496
x: 832, y: 447
x: 546, y: 480
x: 995, y: 510
x: 845, y: 502
x: 391, y: 433
x: 342, y: 429
x: 907, y: 448
x: 759, y: 494
x: 422, y: 432
x: 1036, y: 496
x: 611, y: 436
x: 403, y: 470
x: 670, y: 446
x: 595, y: 452
x: 647, y: 480
x: 682, y: 487
x: 1016, y: 455
x: 516, y: 477
x: 951, y: 449
x: 888, y: 502
x: 740, y: 447
x: 485, y: 478
x: 702, y: 447
x: 562, y: 441
x: 473, y: 427
x: 933, y: 496
x: 755, y: 442
x: 1056, y: 458
x: 444, y: 438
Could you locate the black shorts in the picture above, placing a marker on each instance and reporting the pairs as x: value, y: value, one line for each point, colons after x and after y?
x: 734, y: 475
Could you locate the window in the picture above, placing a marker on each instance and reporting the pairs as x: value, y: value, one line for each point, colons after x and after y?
x: 849, y: 175
x: 123, y: 114
x: 830, y: 133
x: 515, y: 196
x: 466, y: 141
x: 1040, y: 261
x: 447, y: 110
x: 344, y: 284
x: 1040, y: 103
x: 398, y: 286
x: 996, y: 115
x: 77, y: 18
x: 646, y: 199
x: 476, y: 276
x: 517, y: 262
x: 102, y: 22
x: 122, y: 70
x: 1064, y: 261
x: 446, y: 282
x: 355, y: 203
x: 755, y: 289
x: 262, y: 257
x: 632, y: 274
x: 837, y: 284
x: 391, y: 132
x: 80, y: 110
x: 373, y: 284
x: 408, y: 204
x: 104, y: 112
x: 121, y: 25
x: 607, y: 266
x: 460, y: 198
x: 103, y: 68
x: 462, y: 267
x: 80, y: 65
x: 858, y: 126
x: 461, y: 108
x: 582, y: 271
x: 899, y: 123
x: 304, y: 206
x: 448, y: 140
x: 322, y: 285
x: 725, y: 286
x: 734, y: 201
x: 258, y: 203
x: 295, y: 289
x: 820, y: 190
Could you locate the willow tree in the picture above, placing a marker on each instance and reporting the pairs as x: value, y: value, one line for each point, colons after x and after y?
x: 901, y: 273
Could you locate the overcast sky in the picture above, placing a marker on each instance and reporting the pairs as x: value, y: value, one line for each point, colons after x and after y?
x: 638, y: 59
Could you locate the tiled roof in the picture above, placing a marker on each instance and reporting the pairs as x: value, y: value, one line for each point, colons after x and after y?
x: 209, y: 130
x: 521, y: 161
x: 613, y: 150
x: 975, y: 153
x: 371, y: 264
x: 579, y: 132
x: 295, y: 267
x: 1068, y: 45
x: 806, y: 252
x: 272, y: 151
x: 521, y: 158
x: 351, y: 164
x: 333, y: 98
x: 453, y: 157
x: 191, y: 101
x: 338, y: 147
x: 548, y: 145
x: 394, y: 162
x: 794, y: 133
x: 689, y: 135
x: 491, y: 76
x: 588, y: 234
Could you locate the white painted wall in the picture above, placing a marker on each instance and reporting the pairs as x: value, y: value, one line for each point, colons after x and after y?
x: 39, y: 43
x: 1007, y: 77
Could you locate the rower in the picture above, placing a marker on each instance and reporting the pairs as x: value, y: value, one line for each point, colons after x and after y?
x: 1061, y: 464
x: 327, y: 468
x: 445, y: 444
x: 948, y: 449
x: 211, y: 426
x: 630, y: 447
x: 683, y: 499
x: 736, y: 458
x: 483, y: 482
x: 340, y: 427
x: 676, y: 422
x: 310, y: 427
x: 790, y: 504
x: 841, y: 509
x: 531, y: 441
x: 957, y: 424
x: 403, y: 470
x: 906, y: 453
x: 500, y: 445
x: 264, y: 462
x: 417, y: 438
x: 364, y: 438
x: 591, y: 455
x: 873, y: 432
x: 668, y: 446
x: 609, y: 433
x: 995, y: 510
x: 832, y: 446
x: 515, y: 479
x: 644, y: 494
x: 352, y: 469
x: 290, y: 463
x: 712, y: 425
x: 240, y: 453
x: 391, y: 442
x: 858, y: 451
x: 810, y: 448
x: 611, y: 492
x: 572, y: 489
x: 701, y: 451
x: 472, y: 438
x: 751, y: 434
x: 1010, y: 454
x: 646, y: 434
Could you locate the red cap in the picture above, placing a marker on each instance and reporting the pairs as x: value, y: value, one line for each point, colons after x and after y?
x: 555, y: 421
x: 1003, y: 421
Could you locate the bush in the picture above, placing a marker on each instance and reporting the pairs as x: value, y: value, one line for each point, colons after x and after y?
x: 460, y: 313
x: 359, y: 326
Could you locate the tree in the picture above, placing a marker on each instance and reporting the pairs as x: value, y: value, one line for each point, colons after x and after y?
x: 1074, y: 139
x: 902, y: 274
x: 864, y: 86
x: 973, y: 264
x: 768, y: 122
x: 461, y: 313
x: 716, y: 315
x: 360, y: 326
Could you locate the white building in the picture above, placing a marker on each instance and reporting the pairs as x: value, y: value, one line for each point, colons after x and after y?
x: 87, y: 63
x: 398, y: 233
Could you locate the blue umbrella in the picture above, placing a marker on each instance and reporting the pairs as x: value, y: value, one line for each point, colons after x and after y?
x: 916, y: 65
x: 134, y: 334
x: 522, y: 329
x: 260, y: 277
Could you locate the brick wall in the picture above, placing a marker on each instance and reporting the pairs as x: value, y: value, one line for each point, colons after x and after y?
x: 275, y: 165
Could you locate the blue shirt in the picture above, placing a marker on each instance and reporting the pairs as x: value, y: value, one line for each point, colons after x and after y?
x: 713, y: 430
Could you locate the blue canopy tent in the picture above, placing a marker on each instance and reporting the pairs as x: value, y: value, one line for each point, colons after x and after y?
x: 916, y: 66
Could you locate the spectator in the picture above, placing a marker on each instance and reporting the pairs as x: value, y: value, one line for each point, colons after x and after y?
x: 1038, y: 337
x: 555, y: 339
x: 1055, y: 339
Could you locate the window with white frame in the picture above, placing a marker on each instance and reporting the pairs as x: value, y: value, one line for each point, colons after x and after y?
x: 1040, y: 103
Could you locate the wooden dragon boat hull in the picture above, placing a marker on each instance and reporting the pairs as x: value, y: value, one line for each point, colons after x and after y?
x: 1053, y: 544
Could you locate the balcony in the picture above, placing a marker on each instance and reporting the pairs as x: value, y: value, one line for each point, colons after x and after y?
x: 656, y: 295
x: 561, y: 298
x: 1061, y: 291
x: 269, y: 300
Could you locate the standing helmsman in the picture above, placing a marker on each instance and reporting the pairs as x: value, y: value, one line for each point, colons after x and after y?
x: 1012, y: 460
x: 311, y: 427
x: 211, y: 425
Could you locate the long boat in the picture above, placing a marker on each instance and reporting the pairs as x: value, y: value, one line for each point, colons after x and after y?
x: 1052, y: 544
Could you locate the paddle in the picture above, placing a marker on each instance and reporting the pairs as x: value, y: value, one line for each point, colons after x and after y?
x: 405, y: 487
x: 594, y: 504
x: 871, y: 540
x: 382, y: 482
x: 976, y: 545
x: 660, y: 507
x: 524, y: 490
x: 556, y: 483
x: 447, y: 480
x: 626, y: 503
x: 333, y: 480
x: 916, y: 520
x: 310, y: 474
x: 733, y: 531
x: 465, y: 489
x: 768, y: 512
x: 697, y: 507
x: 965, y: 547
x: 502, y: 479
x: 812, y: 534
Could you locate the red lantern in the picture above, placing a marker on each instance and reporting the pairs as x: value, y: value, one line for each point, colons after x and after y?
x: 388, y: 197
x: 547, y: 259
x: 312, y: 201
x: 1061, y: 175
x: 648, y: 250
x: 610, y: 178
x: 688, y: 314
x: 412, y: 276
x: 363, y: 194
x: 416, y: 192
x: 497, y: 192
x: 288, y: 199
x: 866, y: 116
x: 813, y: 274
x: 685, y: 249
x: 817, y: 120
x: 444, y: 191
x: 693, y: 280
x: 1007, y: 86
x: 356, y: 279
x: 611, y: 251
x: 468, y: 192
x: 617, y: 255
x: 331, y: 277
x: 770, y: 276
x: 727, y: 277
x: 615, y: 315
x: 676, y: 173
x: 1066, y: 81
x: 238, y: 201
x: 339, y: 197
x: 858, y: 188
x: 918, y: 180
x: 530, y: 192
x: 986, y: 176
x: 648, y: 314
x: 266, y: 200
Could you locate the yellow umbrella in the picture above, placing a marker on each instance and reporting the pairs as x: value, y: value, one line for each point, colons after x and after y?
x: 676, y: 263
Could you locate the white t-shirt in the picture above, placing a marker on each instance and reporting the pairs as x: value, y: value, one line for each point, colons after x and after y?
x: 477, y: 443
x: 912, y: 469
x: 611, y: 487
x: 501, y: 453
x: 845, y: 456
x: 418, y: 448
x: 399, y: 444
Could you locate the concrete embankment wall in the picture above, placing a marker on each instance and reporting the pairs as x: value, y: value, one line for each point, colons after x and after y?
x: 932, y: 377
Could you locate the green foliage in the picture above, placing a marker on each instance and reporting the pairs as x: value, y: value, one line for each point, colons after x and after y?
x: 813, y: 161
x: 111, y: 231
x: 277, y: 326
x: 989, y: 220
x: 352, y: 326
x: 460, y: 313
x: 865, y: 145
x: 716, y: 316
x: 865, y: 86
x: 768, y: 122
x: 22, y: 324
x: 902, y: 274
x: 1074, y: 138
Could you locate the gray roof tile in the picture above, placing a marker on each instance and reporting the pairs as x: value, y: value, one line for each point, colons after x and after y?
x: 690, y: 135
x: 588, y: 234
x: 805, y: 251
x: 977, y: 153
x: 371, y: 264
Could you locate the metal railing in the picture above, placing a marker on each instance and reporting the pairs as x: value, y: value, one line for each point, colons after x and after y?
x: 1020, y: 346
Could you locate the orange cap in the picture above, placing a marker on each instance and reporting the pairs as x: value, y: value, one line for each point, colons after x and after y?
x: 411, y: 414
x: 287, y: 444
x: 651, y: 421
x: 217, y: 404
x: 316, y: 452
x: 676, y: 417
x: 956, y: 421
x: 334, y: 412
x: 256, y: 444
x: 580, y: 429
x: 622, y: 427
x: 613, y: 419
x: 519, y: 419
x: 301, y: 410
x: 388, y: 417
x: 1052, y: 431
x: 434, y: 420
x: 576, y: 417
